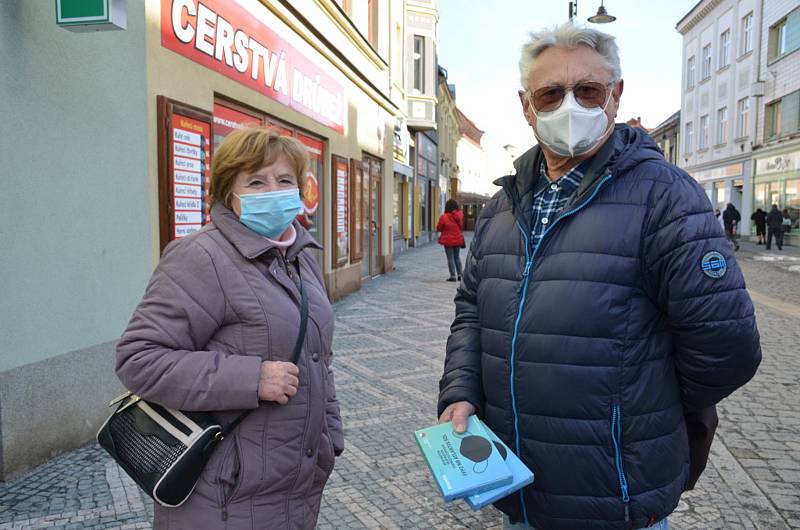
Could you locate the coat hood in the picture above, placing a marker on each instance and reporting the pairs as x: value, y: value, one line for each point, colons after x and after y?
x: 624, y: 149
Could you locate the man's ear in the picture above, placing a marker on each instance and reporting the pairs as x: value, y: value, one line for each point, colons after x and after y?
x: 617, y: 92
x: 525, y: 107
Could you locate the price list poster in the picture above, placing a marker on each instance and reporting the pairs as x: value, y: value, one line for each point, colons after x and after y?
x: 191, y: 161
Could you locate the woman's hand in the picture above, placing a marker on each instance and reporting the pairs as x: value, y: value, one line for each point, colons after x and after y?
x: 278, y: 381
x: 458, y: 413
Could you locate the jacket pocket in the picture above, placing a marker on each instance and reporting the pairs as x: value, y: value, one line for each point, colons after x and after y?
x: 229, y: 475
x: 616, y: 441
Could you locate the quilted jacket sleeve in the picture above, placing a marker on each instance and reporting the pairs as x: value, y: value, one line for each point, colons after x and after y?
x: 162, y: 356
x: 711, y: 319
x: 462, y: 380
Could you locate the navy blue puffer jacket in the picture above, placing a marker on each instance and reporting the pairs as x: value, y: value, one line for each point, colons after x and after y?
x: 584, y: 353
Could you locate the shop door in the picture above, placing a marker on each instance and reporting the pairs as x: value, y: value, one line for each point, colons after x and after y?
x: 366, y: 218
x: 375, y: 218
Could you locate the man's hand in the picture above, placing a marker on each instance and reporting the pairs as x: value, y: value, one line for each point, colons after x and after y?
x: 278, y: 381
x: 458, y: 413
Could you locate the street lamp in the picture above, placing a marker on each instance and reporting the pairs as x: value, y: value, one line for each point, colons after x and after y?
x: 602, y: 16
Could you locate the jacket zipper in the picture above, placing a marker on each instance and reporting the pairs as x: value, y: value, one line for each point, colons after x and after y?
x: 226, y: 499
x: 523, y: 291
x: 616, y: 438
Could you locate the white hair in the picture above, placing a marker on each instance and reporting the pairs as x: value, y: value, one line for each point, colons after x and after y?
x: 570, y: 36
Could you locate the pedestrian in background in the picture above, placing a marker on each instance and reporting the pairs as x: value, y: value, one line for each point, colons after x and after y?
x: 775, y: 227
x: 216, y: 330
x: 759, y: 217
x: 600, y: 306
x: 718, y: 215
x: 787, y: 221
x: 451, y: 237
x: 731, y: 218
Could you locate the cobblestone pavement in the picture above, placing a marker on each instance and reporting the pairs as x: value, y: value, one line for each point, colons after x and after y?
x: 389, y: 347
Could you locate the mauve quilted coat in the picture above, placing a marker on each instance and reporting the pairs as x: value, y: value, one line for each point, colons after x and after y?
x: 584, y: 352
x: 219, y: 303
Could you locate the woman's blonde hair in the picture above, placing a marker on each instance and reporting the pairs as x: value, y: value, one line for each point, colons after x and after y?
x: 249, y: 150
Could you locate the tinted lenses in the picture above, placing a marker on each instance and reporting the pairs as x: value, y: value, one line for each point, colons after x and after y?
x: 589, y: 95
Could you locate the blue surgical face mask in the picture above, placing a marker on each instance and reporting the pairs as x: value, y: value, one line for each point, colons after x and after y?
x: 270, y: 213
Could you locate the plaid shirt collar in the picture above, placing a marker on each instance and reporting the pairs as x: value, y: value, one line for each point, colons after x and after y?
x: 567, y: 184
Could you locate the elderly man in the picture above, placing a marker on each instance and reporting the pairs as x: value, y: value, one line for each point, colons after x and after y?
x: 599, y: 306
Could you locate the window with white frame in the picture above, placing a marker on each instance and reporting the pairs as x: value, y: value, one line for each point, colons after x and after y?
x: 690, y: 73
x: 702, y: 142
x: 688, y: 138
x: 742, y: 117
x: 722, y: 125
x: 706, y: 61
x: 724, y: 48
x: 747, y: 33
x: 419, y: 64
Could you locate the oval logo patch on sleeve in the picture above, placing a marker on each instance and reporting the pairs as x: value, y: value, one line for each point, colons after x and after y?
x: 714, y: 265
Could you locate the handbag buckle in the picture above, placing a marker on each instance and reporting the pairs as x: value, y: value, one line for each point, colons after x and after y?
x: 119, y: 398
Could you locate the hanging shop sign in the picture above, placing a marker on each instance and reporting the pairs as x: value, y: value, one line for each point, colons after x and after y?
x: 91, y: 15
x: 232, y: 40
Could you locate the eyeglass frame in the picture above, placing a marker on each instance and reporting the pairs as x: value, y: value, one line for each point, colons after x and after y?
x: 528, y: 94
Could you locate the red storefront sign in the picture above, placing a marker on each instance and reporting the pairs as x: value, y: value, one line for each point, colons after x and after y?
x: 227, y: 38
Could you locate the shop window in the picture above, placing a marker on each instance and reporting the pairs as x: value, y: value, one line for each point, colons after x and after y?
x: 706, y: 61
x: 724, y: 48
x: 340, y: 182
x: 419, y: 64
x: 397, y: 206
x: 356, y: 211
x: 184, y: 164
x: 760, y: 197
x: 747, y: 34
x: 784, y: 37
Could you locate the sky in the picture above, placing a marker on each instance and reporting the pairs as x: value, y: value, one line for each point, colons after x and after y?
x: 479, y: 43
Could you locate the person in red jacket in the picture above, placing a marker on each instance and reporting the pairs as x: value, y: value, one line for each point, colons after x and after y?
x: 451, y: 237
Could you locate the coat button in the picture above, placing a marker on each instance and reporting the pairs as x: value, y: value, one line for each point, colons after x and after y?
x: 309, y: 452
x: 315, y: 357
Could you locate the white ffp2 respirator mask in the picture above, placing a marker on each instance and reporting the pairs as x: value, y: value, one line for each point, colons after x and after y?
x: 571, y: 130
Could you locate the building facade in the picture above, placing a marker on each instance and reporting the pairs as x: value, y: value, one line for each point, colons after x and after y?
x: 667, y: 135
x: 130, y: 138
x: 721, y: 41
x: 447, y: 129
x: 421, y: 81
x: 777, y: 153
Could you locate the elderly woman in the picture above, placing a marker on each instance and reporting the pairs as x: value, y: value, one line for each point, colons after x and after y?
x: 215, y: 332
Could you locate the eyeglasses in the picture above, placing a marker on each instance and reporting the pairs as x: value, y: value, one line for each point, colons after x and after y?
x: 590, y: 95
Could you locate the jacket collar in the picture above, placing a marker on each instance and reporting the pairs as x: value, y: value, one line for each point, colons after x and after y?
x: 250, y: 244
x: 520, y: 185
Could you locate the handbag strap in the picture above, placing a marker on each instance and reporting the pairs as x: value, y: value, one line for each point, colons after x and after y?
x: 298, y: 347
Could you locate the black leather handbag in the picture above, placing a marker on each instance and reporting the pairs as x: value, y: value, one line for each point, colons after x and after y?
x: 163, y: 450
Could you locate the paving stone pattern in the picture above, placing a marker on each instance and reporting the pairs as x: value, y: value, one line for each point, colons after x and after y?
x: 389, y: 350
